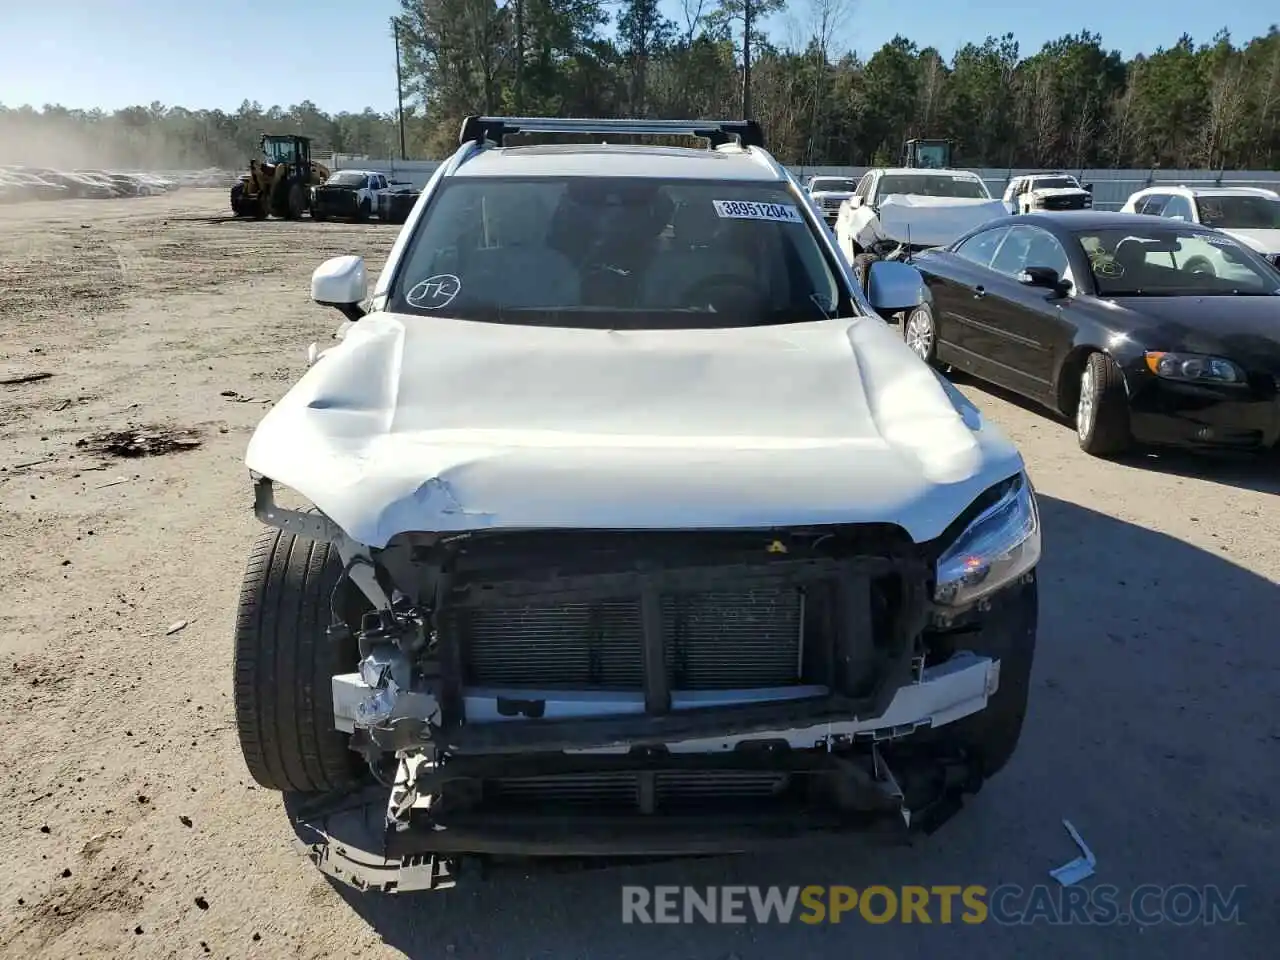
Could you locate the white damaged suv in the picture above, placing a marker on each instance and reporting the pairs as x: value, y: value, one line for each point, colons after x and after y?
x: 632, y: 528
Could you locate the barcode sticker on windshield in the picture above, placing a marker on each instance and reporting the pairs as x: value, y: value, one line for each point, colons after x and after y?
x: 750, y: 210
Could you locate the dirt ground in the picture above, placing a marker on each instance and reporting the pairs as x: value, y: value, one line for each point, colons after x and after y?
x: 129, y: 825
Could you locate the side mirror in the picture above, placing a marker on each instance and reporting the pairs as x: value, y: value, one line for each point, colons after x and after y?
x: 1045, y: 277
x: 854, y: 202
x: 893, y: 286
x: 341, y: 283
x: 1088, y: 187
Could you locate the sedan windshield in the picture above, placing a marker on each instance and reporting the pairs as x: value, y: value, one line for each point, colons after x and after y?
x: 933, y: 185
x: 832, y: 185
x: 1163, y: 261
x: 617, y: 253
x: 1239, y: 212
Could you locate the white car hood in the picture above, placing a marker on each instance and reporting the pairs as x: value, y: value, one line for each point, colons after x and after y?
x: 433, y: 424
x: 1263, y: 241
x: 1058, y: 192
x: 831, y: 195
x: 934, y: 221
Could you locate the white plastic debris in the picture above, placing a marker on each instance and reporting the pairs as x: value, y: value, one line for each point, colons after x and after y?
x: 175, y: 627
x: 1081, y: 867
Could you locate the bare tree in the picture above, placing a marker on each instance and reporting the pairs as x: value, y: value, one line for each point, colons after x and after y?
x: 1226, y: 111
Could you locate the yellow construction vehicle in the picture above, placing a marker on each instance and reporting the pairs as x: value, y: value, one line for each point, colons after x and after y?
x: 280, y: 183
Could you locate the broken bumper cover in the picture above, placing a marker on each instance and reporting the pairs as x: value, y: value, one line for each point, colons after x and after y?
x: 425, y: 838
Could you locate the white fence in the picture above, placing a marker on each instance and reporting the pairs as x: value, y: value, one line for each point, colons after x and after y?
x: 1110, y: 187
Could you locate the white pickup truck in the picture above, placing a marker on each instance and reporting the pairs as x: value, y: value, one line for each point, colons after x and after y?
x: 1047, y: 191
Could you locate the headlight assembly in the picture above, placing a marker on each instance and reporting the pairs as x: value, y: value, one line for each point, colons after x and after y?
x: 1193, y: 367
x: 1000, y: 545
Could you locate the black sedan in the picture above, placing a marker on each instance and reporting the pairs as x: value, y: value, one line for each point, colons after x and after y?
x: 1143, y: 330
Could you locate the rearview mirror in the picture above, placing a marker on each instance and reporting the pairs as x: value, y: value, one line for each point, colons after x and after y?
x: 1045, y: 277
x: 894, y: 286
x: 341, y: 283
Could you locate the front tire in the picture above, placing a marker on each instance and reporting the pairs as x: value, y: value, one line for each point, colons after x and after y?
x: 283, y: 664
x: 1102, y: 412
x: 920, y: 334
x: 362, y: 214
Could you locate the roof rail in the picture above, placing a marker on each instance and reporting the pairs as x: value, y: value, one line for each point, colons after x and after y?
x: 719, y: 132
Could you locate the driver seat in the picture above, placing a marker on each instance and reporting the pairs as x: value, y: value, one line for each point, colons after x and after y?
x: 699, y: 250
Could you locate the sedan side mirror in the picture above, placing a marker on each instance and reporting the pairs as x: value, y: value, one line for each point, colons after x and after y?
x: 1045, y: 277
x: 893, y: 287
x: 341, y: 283
x: 1088, y: 188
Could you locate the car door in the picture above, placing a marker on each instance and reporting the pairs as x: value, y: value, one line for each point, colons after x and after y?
x: 1026, y: 329
x: 957, y: 285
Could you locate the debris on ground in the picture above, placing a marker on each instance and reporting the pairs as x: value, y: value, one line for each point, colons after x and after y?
x: 235, y: 397
x: 150, y: 441
x: 175, y: 627
x: 112, y: 483
x: 1082, y: 867
x: 25, y: 378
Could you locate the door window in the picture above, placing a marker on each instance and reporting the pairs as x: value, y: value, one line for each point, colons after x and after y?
x: 981, y: 247
x: 1152, y: 204
x: 1027, y: 246
x: 1178, y: 208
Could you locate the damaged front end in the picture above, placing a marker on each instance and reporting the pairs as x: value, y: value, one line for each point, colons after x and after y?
x: 587, y: 693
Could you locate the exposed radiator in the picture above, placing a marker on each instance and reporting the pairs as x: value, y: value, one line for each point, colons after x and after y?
x: 715, y: 640
x: 623, y: 790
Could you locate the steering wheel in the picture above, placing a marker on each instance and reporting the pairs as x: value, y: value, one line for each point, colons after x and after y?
x: 1200, y: 266
x: 723, y: 293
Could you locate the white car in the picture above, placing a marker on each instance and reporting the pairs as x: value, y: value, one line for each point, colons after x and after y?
x: 627, y: 510
x: 1037, y: 192
x: 829, y: 192
x: 1251, y: 215
x: 915, y: 207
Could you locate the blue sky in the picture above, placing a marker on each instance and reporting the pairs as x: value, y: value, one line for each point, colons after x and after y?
x: 339, y: 54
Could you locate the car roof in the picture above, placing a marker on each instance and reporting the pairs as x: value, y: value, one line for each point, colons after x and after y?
x: 926, y: 171
x: 622, y: 160
x: 1097, y: 220
x: 1186, y: 191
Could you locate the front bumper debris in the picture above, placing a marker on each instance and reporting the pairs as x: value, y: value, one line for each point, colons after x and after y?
x: 873, y: 779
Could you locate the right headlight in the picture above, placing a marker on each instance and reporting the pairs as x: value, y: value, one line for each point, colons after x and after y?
x: 1001, y: 544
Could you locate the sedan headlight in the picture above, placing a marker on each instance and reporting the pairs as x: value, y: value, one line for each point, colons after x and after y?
x: 1193, y: 367
x: 1000, y: 545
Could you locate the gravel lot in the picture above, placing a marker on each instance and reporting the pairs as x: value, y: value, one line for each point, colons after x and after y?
x: 130, y: 826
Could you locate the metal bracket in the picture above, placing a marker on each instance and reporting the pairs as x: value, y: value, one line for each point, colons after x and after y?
x: 313, y: 526
x: 888, y: 784
x: 368, y: 872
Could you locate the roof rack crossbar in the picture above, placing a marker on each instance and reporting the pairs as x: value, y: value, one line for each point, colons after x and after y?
x: 719, y: 132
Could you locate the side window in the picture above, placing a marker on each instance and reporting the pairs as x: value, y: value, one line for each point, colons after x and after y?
x: 1178, y: 208
x: 1152, y: 204
x: 981, y: 247
x: 1027, y: 246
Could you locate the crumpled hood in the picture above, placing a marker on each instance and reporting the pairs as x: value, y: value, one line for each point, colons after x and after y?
x: 1263, y: 241
x: 433, y: 424
x: 934, y: 221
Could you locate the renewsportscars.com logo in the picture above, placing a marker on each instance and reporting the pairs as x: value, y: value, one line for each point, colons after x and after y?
x: 1007, y: 905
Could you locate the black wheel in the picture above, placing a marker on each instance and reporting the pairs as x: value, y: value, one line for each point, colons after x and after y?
x: 237, y: 199
x: 920, y: 334
x: 1008, y: 634
x: 284, y: 659
x: 1102, y: 412
x: 295, y: 202
x: 363, y: 211
x: 318, y: 215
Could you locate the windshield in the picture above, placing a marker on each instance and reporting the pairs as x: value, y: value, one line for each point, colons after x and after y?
x: 933, y: 185
x: 279, y: 150
x: 832, y: 185
x: 1239, y: 212
x: 1169, y: 262
x: 617, y: 253
x: 1053, y: 183
x: 347, y: 178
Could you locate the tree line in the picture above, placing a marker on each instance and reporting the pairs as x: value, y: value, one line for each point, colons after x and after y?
x: 1072, y: 104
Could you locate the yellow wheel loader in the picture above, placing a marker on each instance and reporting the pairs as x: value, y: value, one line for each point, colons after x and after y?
x: 280, y: 183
